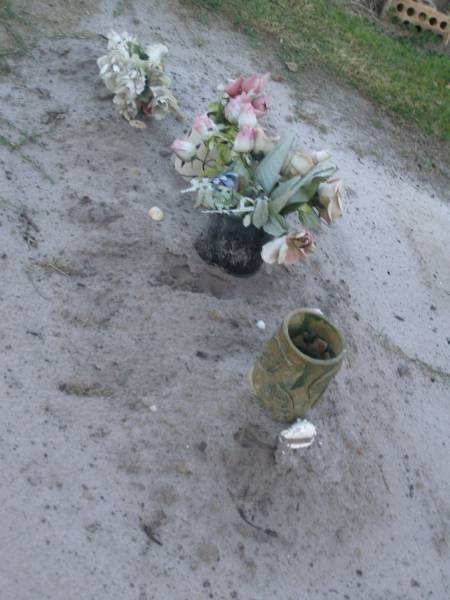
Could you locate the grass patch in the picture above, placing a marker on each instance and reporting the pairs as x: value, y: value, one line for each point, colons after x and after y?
x: 408, y: 80
x: 14, y: 32
x: 14, y: 146
x: 121, y: 7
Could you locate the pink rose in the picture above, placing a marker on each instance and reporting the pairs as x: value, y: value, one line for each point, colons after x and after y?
x: 260, y: 105
x: 234, y: 107
x: 204, y: 126
x: 185, y: 151
x: 247, y: 116
x: 234, y: 88
x: 255, y: 83
x: 245, y: 139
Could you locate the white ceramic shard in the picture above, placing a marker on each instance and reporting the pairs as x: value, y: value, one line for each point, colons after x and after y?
x: 299, y: 435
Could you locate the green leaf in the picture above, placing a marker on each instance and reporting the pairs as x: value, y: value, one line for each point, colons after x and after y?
x: 308, y: 216
x: 276, y: 226
x: 322, y: 172
x: 309, y: 186
x: 244, y: 176
x: 299, y: 198
x: 247, y: 220
x: 284, y: 191
x: 223, y: 154
x: 261, y: 213
x: 137, y: 49
x: 214, y: 106
x: 268, y: 171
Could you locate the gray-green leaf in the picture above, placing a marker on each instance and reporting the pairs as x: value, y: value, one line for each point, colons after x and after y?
x: 261, y: 213
x: 268, y: 171
x: 309, y: 185
x: 283, y: 192
x: 276, y: 226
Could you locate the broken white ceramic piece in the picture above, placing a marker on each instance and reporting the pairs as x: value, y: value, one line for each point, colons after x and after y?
x: 299, y: 435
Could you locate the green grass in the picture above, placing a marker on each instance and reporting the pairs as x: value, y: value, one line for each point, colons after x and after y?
x: 15, y: 37
x: 409, y: 80
x: 17, y: 147
x: 121, y: 7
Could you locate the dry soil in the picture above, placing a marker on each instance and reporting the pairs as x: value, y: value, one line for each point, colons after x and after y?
x: 135, y: 464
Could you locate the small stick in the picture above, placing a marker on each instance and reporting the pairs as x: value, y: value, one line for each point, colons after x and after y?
x: 269, y: 532
x: 149, y: 533
x: 58, y: 270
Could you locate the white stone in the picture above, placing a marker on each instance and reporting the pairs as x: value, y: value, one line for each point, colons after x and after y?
x: 156, y: 213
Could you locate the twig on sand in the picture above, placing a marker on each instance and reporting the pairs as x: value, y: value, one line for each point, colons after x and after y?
x: 269, y: 532
x: 28, y: 220
x: 149, y: 533
x: 55, y: 268
x: 384, y: 478
x: 65, y: 270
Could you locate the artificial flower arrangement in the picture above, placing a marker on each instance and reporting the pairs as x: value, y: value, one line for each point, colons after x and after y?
x: 239, y: 169
x: 136, y: 76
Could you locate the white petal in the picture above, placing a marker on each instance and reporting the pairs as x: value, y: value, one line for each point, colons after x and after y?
x: 270, y: 250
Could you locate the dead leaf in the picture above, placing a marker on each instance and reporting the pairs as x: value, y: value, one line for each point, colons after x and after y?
x: 292, y: 67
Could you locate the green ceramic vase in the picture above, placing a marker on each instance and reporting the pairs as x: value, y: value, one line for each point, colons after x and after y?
x: 288, y: 382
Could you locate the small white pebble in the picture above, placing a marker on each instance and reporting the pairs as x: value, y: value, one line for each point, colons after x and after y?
x: 156, y: 213
x: 153, y: 408
x: 260, y: 325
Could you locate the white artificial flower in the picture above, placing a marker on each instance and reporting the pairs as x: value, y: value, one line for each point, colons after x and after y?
x: 301, y: 162
x: 288, y: 249
x: 134, y: 81
x: 120, y: 42
x: 163, y: 102
x: 157, y: 78
x: 127, y: 106
x: 157, y: 54
x: 264, y: 142
x: 111, y: 66
x: 330, y: 200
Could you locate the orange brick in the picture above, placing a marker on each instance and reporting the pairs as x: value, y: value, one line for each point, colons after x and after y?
x: 422, y: 16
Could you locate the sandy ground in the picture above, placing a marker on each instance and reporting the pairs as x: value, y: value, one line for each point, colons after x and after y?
x: 135, y: 464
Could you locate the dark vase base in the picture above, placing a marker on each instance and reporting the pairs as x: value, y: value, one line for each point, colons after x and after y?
x: 231, y: 246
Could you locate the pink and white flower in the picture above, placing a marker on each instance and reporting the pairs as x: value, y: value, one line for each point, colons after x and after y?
x: 234, y: 107
x: 264, y: 142
x: 247, y: 116
x: 234, y: 88
x: 205, y: 127
x: 288, y: 249
x: 185, y: 151
x: 260, y: 105
x: 245, y: 139
x: 255, y: 83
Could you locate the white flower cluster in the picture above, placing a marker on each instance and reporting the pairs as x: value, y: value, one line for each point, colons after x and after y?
x: 136, y: 76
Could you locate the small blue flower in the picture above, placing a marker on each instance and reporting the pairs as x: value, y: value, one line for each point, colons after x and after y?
x: 228, y: 180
